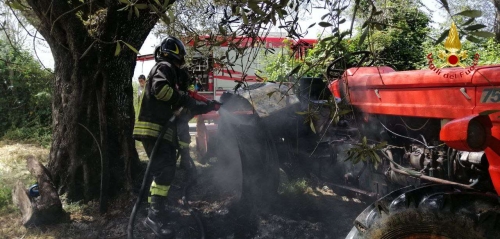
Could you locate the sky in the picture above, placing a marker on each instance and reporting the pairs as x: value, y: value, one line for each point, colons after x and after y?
x: 46, y: 58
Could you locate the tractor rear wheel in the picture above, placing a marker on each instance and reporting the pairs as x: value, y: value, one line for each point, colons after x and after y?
x: 249, y: 159
x: 430, y: 212
x: 415, y: 224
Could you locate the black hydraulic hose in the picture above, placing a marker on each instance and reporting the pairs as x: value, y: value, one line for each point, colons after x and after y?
x: 450, y: 163
x: 130, y: 227
x: 186, y: 204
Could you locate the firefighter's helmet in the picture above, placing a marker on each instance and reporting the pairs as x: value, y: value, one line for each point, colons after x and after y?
x: 171, y: 49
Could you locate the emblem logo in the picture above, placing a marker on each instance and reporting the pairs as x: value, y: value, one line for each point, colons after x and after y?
x: 176, y: 49
x: 453, y: 56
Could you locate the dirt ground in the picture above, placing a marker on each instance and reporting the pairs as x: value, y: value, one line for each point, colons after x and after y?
x: 316, y: 212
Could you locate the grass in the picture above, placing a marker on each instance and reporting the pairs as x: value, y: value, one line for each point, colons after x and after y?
x: 86, y: 222
x: 13, y: 168
x: 29, y: 135
x: 13, y: 161
x: 294, y: 187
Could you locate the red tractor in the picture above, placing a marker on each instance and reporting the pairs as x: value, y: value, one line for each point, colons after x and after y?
x: 423, y: 145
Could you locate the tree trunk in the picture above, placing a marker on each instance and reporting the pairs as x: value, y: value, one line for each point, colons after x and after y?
x: 93, y: 154
x: 93, y: 120
x: 497, y: 19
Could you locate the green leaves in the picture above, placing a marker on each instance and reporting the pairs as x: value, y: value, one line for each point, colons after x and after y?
x: 136, y: 10
x: 469, y: 21
x: 160, y: 13
x: 475, y: 27
x: 472, y: 39
x: 363, y: 36
x: 118, y: 49
x: 483, y: 34
x: 442, y: 37
x: 131, y: 48
x: 470, y: 13
x: 445, y: 5
x: 309, y: 117
x: 471, y: 31
x: 311, y: 124
x: 271, y: 93
x: 134, y: 7
x: 325, y: 24
x: 253, y: 5
x: 15, y: 5
x: 222, y: 30
x: 141, y: 6
x: 244, y: 17
x: 365, y: 152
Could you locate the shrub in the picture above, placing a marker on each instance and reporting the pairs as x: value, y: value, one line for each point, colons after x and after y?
x: 25, y: 98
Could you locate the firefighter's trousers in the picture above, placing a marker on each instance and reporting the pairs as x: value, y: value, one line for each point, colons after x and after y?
x: 163, y: 165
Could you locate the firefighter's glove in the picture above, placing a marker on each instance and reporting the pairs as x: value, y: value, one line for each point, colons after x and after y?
x: 213, y: 105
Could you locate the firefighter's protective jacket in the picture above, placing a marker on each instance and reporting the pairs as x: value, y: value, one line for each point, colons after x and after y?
x: 159, y: 101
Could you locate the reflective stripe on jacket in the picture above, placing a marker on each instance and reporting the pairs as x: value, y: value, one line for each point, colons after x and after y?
x: 148, y: 129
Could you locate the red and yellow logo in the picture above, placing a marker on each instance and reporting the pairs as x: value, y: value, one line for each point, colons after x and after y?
x: 453, y: 55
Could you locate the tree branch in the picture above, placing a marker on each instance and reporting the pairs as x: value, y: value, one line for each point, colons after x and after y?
x: 68, y: 12
x: 71, y: 34
x: 22, y: 25
x: 36, y: 54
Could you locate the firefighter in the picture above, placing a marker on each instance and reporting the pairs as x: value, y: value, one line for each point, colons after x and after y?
x: 161, y: 98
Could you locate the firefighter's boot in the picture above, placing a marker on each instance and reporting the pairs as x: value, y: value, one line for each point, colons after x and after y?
x: 156, y: 213
x: 187, y: 163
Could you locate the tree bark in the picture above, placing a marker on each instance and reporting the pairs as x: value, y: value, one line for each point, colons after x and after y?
x: 93, y: 102
x: 93, y: 154
x: 497, y: 19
